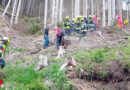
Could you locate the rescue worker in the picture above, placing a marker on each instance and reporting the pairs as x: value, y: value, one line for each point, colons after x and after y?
x: 4, y: 43
x: 67, y: 26
x: 72, y: 25
x: 78, y: 26
x: 46, y: 37
x: 2, y: 62
x: 59, y: 37
x: 83, y: 29
x: 91, y: 24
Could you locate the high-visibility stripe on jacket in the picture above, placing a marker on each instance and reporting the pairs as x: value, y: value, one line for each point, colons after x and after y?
x: 66, y: 24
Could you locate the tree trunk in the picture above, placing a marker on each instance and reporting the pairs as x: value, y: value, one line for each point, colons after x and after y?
x: 18, y: 10
x: 113, y: 9
x: 92, y: 7
x: 6, y: 8
x: 103, y: 14
x: 77, y: 8
x: 120, y: 7
x: 53, y: 12
x: 13, y: 12
x: 61, y: 10
x: 45, y: 14
x: 57, y: 9
x: 86, y: 8
x: 109, y: 13
x: 72, y: 8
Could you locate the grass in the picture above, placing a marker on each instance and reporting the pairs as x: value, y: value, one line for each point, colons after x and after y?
x: 99, y: 59
x: 23, y: 78
x: 19, y: 77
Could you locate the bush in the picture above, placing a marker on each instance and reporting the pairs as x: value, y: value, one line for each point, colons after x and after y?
x: 58, y: 78
x: 36, y: 85
x: 33, y: 24
x: 98, y: 55
x: 60, y: 24
x: 20, y: 77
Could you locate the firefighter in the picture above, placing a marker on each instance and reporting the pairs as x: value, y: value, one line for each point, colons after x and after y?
x: 78, y: 26
x: 3, y: 44
x: 72, y: 25
x: 83, y: 29
x: 67, y: 26
x: 91, y: 24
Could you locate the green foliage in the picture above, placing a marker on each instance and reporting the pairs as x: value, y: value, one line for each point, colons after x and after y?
x: 114, y: 26
x: 104, y: 73
x: 98, y: 55
x: 36, y: 85
x: 60, y: 24
x: 127, y: 50
x: 57, y: 77
x: 14, y: 50
x: 33, y: 24
x: 21, y: 77
x: 21, y: 74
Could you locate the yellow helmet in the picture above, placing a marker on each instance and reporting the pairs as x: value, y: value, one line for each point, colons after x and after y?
x: 7, y: 40
x: 78, y: 17
x: 90, y: 16
x: 67, y: 17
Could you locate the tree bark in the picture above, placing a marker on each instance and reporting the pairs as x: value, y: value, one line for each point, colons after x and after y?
x: 6, y: 8
x: 45, y: 14
x: 109, y: 13
x: 103, y: 14
x: 13, y: 12
x: 92, y: 7
x: 113, y: 9
x: 61, y: 10
x: 18, y: 10
x: 86, y: 8
x: 53, y: 12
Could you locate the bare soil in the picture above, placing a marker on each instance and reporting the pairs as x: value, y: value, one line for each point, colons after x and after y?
x: 32, y: 43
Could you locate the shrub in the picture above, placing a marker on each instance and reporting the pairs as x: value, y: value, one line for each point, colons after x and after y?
x: 58, y: 78
x: 36, y: 85
x: 98, y: 55
x: 60, y: 24
x: 33, y: 24
x: 22, y: 75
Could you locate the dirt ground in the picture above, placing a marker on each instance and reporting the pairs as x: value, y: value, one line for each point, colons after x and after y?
x: 31, y: 43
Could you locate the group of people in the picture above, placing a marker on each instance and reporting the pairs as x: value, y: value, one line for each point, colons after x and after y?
x: 80, y: 25
x: 121, y: 23
x: 59, y: 36
x: 3, y: 44
x: 77, y: 26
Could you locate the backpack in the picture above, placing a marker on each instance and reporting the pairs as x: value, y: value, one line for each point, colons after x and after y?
x: 62, y: 32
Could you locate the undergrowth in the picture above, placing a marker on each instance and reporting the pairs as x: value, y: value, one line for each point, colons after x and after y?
x: 33, y: 24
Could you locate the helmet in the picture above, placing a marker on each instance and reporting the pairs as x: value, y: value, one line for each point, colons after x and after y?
x: 6, y: 40
x: 67, y: 17
x: 82, y: 19
x: 73, y: 19
x: 90, y: 16
x: 78, y: 17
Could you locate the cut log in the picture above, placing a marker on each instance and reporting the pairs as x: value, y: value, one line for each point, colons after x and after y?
x: 69, y: 62
x: 35, y: 52
x: 42, y: 63
x: 61, y: 52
